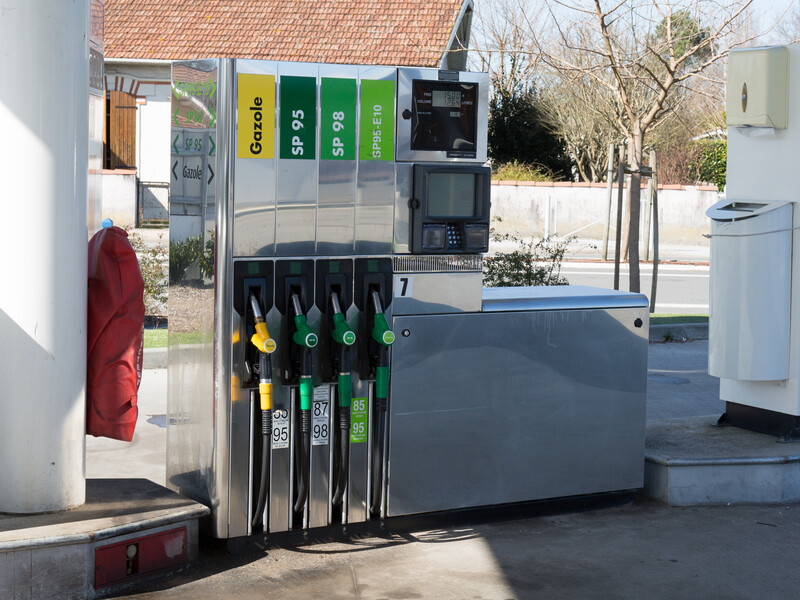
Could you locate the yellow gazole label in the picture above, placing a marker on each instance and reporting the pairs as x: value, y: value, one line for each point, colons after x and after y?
x: 255, y: 129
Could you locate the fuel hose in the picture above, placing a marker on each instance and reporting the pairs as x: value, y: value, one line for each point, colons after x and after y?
x: 384, y: 336
x: 344, y: 337
x: 266, y: 346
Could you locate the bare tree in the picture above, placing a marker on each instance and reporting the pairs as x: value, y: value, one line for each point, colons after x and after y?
x: 577, y: 110
x: 502, y: 43
x: 642, y: 57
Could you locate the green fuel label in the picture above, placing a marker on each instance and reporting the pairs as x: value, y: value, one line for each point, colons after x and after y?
x: 338, y: 119
x: 377, y: 120
x: 358, y: 421
x: 298, y: 117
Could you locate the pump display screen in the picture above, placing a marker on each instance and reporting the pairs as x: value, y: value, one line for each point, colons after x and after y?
x: 451, y: 194
x: 443, y: 99
x: 444, y: 117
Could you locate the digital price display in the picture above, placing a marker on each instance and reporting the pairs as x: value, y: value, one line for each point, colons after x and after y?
x: 444, y: 117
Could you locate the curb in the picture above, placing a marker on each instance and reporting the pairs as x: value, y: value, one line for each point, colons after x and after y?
x: 154, y: 358
x: 678, y: 332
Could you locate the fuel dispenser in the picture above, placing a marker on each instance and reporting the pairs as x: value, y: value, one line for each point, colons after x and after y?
x: 343, y: 363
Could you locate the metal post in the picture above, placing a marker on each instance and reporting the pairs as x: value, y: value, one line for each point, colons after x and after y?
x: 547, y: 219
x: 648, y: 206
x: 654, y: 180
x: 609, y: 191
x: 620, y: 191
x: 44, y: 117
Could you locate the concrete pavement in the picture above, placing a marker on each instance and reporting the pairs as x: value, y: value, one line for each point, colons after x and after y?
x: 642, y: 549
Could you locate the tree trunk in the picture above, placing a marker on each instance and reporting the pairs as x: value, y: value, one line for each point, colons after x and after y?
x: 635, y: 151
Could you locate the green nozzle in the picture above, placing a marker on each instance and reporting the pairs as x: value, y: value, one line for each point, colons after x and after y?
x: 342, y: 333
x: 306, y: 391
x: 381, y: 332
x: 304, y: 336
x: 382, y: 382
x: 345, y: 392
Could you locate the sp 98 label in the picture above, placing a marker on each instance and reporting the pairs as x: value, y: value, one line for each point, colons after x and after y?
x: 338, y: 118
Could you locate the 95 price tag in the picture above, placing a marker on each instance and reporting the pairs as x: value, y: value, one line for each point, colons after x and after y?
x: 280, y: 429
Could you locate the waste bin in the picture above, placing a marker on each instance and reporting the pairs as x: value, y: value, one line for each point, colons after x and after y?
x: 750, y: 290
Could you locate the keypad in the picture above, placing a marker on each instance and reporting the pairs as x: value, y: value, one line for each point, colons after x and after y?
x: 454, y: 237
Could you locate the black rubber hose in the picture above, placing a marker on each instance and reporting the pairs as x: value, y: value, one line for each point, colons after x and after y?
x: 344, y: 454
x: 305, y: 452
x: 265, y: 374
x: 377, y: 456
x: 266, y: 433
x: 344, y: 433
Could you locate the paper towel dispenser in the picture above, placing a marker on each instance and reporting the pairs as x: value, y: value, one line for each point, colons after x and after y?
x: 758, y: 87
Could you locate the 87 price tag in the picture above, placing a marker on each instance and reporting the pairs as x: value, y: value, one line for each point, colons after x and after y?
x: 320, y: 416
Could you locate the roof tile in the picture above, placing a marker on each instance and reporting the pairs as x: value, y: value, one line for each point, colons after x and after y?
x: 391, y: 32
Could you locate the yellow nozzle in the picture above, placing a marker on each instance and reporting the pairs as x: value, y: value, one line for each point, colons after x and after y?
x: 261, y: 339
x: 265, y: 391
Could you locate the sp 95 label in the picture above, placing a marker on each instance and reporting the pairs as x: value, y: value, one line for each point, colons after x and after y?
x: 298, y: 117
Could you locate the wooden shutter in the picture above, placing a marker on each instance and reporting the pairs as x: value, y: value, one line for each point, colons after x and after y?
x: 121, y: 131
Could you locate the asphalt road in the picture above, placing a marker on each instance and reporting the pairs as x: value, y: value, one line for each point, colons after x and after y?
x: 682, y: 288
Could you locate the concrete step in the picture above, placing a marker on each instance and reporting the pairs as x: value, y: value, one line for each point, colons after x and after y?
x: 127, y: 530
x: 692, y: 462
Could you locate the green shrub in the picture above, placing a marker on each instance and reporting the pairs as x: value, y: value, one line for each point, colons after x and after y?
x: 712, y: 162
x: 532, y: 262
x: 152, y: 264
x: 517, y: 171
x: 181, y: 255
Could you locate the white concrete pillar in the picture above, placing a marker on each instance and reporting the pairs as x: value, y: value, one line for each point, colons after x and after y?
x: 44, y: 74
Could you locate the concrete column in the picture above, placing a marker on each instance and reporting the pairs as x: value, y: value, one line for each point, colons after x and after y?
x: 44, y: 75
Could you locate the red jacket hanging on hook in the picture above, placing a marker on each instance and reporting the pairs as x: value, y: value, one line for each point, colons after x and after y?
x: 114, y: 336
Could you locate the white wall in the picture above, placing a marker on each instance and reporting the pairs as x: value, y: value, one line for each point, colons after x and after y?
x: 152, y: 131
x: 581, y: 210
x: 119, y: 197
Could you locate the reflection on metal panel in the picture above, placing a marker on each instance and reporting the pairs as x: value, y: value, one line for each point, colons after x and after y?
x: 254, y: 183
x: 566, y: 417
x: 336, y: 210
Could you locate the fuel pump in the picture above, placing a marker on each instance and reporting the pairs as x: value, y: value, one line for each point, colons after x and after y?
x: 265, y: 346
x: 334, y: 297
x: 373, y: 295
x: 383, y: 336
x: 295, y: 280
x: 252, y: 299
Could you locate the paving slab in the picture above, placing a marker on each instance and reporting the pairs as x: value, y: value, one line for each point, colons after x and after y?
x: 642, y: 550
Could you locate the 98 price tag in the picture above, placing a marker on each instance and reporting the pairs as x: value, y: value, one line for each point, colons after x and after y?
x: 320, y: 416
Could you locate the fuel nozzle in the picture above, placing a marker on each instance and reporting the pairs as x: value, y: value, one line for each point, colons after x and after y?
x: 342, y: 334
x: 266, y: 346
x: 384, y: 336
x: 381, y: 332
x: 344, y: 338
x: 303, y: 335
